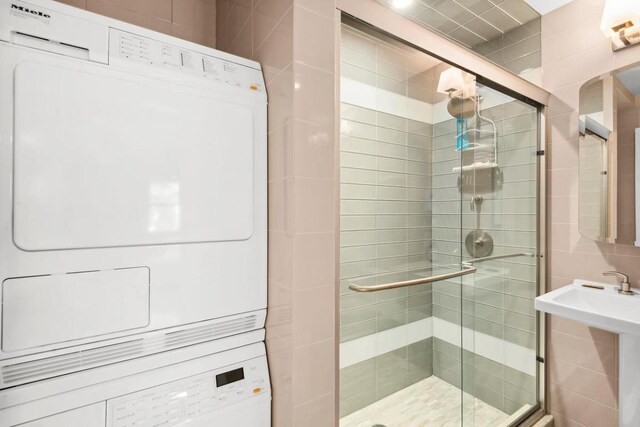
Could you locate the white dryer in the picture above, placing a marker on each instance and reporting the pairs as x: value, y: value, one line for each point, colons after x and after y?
x: 133, y: 189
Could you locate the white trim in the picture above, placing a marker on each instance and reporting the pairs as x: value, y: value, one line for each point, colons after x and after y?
x: 367, y: 96
x: 370, y: 346
x: 509, y: 354
x: 379, y: 15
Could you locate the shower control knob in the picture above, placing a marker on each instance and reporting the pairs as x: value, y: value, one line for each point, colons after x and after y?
x: 478, y: 243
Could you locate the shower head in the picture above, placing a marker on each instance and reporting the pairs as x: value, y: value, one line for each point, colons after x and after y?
x: 462, y: 108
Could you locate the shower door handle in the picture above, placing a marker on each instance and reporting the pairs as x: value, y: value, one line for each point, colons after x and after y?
x: 497, y: 257
x: 466, y: 269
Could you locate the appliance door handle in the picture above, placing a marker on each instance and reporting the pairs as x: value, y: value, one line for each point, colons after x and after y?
x: 466, y: 269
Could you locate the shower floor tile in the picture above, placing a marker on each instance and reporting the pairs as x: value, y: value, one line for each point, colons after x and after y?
x: 431, y: 402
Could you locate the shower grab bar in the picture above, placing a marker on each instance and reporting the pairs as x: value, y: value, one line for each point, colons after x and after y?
x: 466, y: 269
x: 495, y: 257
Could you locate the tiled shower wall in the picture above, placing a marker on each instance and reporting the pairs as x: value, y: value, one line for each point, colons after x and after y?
x: 497, y: 301
x: 192, y: 20
x: 384, y: 228
x: 385, y: 219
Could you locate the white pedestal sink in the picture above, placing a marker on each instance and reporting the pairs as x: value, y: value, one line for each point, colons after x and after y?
x: 606, y: 309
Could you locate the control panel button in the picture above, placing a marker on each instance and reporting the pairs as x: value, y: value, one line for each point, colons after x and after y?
x: 127, y: 49
x: 177, y: 402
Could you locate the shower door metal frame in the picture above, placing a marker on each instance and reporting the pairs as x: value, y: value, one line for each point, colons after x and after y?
x: 374, y: 14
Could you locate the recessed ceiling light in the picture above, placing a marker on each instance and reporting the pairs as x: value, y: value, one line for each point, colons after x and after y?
x: 401, y: 4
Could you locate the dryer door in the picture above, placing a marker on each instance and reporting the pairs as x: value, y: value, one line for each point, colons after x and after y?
x: 103, y: 159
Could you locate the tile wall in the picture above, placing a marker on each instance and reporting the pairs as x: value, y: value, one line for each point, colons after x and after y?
x: 497, y: 301
x: 385, y: 223
x: 192, y: 20
x: 294, y: 40
x: 401, y: 210
x: 582, y: 367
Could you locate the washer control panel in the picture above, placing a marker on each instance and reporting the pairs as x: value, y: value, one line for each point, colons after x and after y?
x: 184, y: 400
x: 131, y: 50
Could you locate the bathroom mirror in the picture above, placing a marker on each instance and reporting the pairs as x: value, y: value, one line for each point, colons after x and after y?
x: 609, y: 157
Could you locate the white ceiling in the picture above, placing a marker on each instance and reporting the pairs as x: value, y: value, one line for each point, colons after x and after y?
x: 545, y: 6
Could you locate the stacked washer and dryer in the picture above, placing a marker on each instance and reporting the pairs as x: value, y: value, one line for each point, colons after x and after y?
x: 133, y: 251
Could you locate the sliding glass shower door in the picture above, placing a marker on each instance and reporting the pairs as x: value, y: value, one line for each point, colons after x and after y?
x: 438, y: 244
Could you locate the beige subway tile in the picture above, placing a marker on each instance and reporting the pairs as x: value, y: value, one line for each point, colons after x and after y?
x: 563, y: 154
x: 240, y: 11
x: 281, y: 205
x: 242, y: 45
x: 326, y: 8
x: 275, y: 52
x: 222, y: 26
x: 313, y: 365
x: 563, y: 421
x: 314, y: 150
x: 314, y: 205
x: 280, y: 91
x: 281, y: 249
x: 563, y: 182
x: 267, y: 15
x: 564, y: 127
x: 282, y: 403
x: 314, y: 99
x: 596, y: 356
x: 159, y: 25
x: 129, y: 14
x: 161, y: 9
x: 585, y: 265
x: 313, y: 40
x: 281, y: 145
x: 586, y: 411
x: 582, y: 381
x: 316, y: 413
x: 82, y: 4
x: 578, y: 67
x: 314, y: 314
x: 186, y: 34
x: 198, y: 16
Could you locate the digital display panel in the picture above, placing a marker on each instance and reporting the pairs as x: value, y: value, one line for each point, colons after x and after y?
x: 229, y: 377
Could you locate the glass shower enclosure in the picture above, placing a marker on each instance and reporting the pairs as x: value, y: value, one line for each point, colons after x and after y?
x: 439, y: 237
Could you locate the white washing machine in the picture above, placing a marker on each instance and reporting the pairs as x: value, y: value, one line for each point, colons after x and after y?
x: 133, y: 215
x: 226, y: 389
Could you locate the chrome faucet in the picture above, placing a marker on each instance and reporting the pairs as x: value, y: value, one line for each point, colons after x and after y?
x: 625, y: 286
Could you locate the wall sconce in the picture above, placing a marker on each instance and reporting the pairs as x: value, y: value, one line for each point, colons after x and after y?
x: 621, y: 22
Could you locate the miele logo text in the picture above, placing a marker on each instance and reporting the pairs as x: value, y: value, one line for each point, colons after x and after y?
x: 35, y: 13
